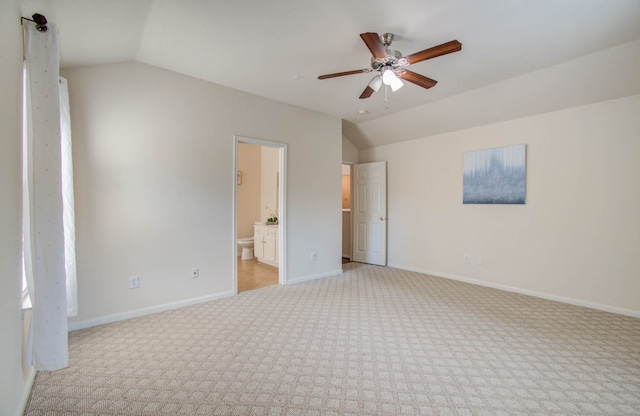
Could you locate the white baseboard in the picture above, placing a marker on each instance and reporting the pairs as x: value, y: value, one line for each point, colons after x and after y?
x: 73, y: 326
x: 27, y: 391
x: 313, y: 277
x: 570, y: 301
x: 265, y: 261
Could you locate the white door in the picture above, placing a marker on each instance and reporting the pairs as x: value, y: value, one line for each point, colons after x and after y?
x: 370, y: 213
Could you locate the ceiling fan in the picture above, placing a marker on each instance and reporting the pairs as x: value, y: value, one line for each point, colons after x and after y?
x: 391, y: 64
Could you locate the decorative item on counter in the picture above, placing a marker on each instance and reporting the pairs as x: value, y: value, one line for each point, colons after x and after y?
x: 273, y: 217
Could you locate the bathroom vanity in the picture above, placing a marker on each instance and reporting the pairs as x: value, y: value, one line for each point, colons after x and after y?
x: 265, y: 243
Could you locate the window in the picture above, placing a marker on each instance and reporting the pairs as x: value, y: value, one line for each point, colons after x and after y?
x: 26, y: 299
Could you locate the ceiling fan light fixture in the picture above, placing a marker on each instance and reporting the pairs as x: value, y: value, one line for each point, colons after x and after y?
x: 390, y: 78
x: 388, y: 75
x: 396, y: 84
x: 376, y: 83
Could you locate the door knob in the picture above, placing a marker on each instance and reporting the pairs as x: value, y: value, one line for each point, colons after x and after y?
x: 381, y: 218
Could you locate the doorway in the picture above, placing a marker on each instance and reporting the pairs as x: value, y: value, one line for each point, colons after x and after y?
x: 346, y: 213
x: 259, y: 195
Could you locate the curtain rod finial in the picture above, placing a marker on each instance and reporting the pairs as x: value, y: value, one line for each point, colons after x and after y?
x: 39, y: 20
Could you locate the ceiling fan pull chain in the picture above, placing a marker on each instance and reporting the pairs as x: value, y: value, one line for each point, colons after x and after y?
x: 386, y: 105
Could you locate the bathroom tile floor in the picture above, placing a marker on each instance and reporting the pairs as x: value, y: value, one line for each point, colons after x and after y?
x: 253, y: 275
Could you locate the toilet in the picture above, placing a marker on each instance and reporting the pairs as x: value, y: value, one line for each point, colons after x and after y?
x: 247, y: 247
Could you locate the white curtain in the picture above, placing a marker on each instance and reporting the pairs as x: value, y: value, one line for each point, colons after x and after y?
x: 44, y: 239
x: 68, y: 210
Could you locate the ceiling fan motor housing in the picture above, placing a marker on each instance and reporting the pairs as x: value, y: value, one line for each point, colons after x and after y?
x: 394, y: 60
x: 386, y: 39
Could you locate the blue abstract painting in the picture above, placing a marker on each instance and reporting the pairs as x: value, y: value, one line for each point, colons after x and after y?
x: 495, y: 176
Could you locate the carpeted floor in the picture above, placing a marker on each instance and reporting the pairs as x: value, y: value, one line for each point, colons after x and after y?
x: 374, y: 340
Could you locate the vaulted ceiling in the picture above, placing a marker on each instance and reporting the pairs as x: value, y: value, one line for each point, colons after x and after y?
x: 277, y: 49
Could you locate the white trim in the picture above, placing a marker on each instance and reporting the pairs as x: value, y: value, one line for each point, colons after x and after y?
x: 73, y: 326
x: 234, y: 219
x: 27, y: 391
x: 270, y: 263
x: 547, y: 296
x: 314, y: 277
x: 350, y: 254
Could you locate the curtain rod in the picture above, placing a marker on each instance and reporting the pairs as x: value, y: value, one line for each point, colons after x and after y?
x: 39, y: 20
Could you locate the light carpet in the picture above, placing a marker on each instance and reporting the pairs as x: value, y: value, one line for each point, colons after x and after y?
x: 372, y: 341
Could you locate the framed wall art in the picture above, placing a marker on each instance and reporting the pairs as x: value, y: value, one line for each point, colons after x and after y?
x: 495, y: 176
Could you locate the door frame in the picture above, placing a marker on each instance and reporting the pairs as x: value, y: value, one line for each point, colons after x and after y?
x: 350, y: 164
x: 282, y: 207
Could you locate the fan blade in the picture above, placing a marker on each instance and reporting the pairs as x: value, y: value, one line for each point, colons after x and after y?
x: 375, y: 45
x: 418, y: 79
x: 367, y: 92
x: 341, y: 74
x: 445, y: 48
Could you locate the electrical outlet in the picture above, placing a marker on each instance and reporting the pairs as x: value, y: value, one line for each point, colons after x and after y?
x: 195, y: 273
x: 480, y: 261
x: 314, y: 256
x: 134, y: 282
x: 466, y: 258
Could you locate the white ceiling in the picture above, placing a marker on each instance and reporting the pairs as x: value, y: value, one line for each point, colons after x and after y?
x: 259, y: 46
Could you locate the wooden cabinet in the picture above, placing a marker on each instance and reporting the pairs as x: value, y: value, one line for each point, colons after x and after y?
x: 265, y: 243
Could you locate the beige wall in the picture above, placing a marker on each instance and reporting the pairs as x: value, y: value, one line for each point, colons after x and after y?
x: 250, y: 164
x: 259, y: 189
x: 346, y: 191
x: 577, y: 237
x: 153, y: 162
x: 14, y: 380
x: 270, y: 178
